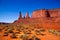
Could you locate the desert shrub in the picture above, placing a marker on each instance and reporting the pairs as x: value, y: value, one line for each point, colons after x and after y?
x: 9, y: 30
x: 13, y: 35
x: 51, y: 31
x: 42, y: 29
x: 23, y: 37
x: 5, y: 34
x: 32, y: 28
x: 35, y: 38
x: 27, y: 32
x: 12, y: 28
x: 6, y: 29
x: 57, y: 33
x: 26, y: 26
x: 37, y: 32
x: 18, y: 29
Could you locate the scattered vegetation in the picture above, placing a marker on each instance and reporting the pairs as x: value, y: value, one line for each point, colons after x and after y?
x: 26, y: 31
x: 9, y: 30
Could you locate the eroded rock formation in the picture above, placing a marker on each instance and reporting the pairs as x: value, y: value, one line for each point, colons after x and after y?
x: 27, y: 15
x: 45, y: 18
x: 20, y: 15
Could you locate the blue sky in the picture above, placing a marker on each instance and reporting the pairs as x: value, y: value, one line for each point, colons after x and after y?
x: 9, y: 9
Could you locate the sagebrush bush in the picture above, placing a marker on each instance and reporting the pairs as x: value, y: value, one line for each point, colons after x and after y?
x: 18, y: 29
x: 51, y: 31
x: 35, y: 38
x: 57, y: 33
x: 9, y: 30
x: 42, y: 29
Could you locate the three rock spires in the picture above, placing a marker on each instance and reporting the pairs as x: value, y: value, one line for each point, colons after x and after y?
x: 26, y: 16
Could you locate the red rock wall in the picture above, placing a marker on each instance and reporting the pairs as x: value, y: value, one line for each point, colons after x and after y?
x: 53, y: 13
x: 42, y: 13
x: 58, y: 13
x: 39, y: 13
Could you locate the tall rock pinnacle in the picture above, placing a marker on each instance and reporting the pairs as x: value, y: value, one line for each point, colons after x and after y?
x: 20, y: 15
x: 27, y: 15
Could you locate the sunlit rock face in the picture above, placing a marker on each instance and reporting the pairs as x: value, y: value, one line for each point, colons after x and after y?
x: 46, y: 13
x: 39, y: 13
x: 54, y: 13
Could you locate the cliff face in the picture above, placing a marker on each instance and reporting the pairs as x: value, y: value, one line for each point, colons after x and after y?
x: 39, y: 13
x: 46, y: 13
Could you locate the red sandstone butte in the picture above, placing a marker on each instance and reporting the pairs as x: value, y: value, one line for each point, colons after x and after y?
x: 49, y: 19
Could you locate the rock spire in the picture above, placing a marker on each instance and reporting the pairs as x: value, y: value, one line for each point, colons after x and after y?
x: 27, y: 15
x: 20, y: 15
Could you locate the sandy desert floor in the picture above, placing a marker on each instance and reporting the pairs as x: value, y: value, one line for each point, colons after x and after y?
x: 40, y: 34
